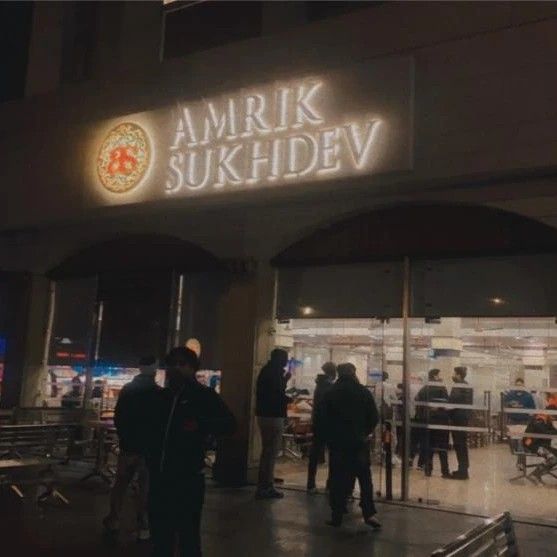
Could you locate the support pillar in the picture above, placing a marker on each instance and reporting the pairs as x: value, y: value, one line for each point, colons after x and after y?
x: 24, y: 317
x: 245, y: 340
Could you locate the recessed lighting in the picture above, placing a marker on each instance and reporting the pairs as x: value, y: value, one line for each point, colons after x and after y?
x: 307, y: 310
x: 497, y: 301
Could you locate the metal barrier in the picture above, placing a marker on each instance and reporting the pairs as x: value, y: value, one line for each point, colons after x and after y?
x: 494, y: 538
x: 34, y: 447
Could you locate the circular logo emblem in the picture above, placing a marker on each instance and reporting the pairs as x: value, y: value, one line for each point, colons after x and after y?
x: 123, y: 158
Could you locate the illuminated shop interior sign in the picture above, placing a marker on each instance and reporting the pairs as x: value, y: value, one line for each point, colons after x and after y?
x: 278, y: 134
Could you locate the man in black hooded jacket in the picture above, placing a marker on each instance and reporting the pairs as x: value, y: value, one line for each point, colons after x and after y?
x: 131, y: 418
x: 346, y: 419
x: 323, y: 384
x: 186, y: 413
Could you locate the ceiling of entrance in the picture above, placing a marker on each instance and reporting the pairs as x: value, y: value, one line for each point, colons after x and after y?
x: 504, y: 337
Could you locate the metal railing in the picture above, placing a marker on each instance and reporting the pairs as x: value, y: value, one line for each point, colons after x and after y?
x: 495, y: 537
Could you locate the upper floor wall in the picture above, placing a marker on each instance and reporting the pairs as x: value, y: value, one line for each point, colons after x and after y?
x: 479, y: 90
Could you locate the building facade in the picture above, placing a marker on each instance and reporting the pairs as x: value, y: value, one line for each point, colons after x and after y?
x: 393, y: 164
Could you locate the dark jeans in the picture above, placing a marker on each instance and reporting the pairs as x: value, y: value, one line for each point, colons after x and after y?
x: 417, y: 442
x: 460, y: 443
x: 346, y: 465
x: 175, y: 506
x: 316, y: 457
x: 399, y: 440
x: 436, y: 441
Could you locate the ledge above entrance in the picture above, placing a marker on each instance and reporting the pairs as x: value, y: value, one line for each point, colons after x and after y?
x: 138, y: 252
x: 418, y: 231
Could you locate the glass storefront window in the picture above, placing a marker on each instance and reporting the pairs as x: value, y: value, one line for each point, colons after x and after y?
x: 484, y: 427
x: 481, y: 374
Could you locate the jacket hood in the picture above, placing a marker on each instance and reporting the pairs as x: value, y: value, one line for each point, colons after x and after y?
x: 321, y: 379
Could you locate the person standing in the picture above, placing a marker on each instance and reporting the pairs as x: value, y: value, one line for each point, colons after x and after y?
x: 271, y: 407
x: 186, y: 413
x: 461, y: 394
x: 131, y: 421
x: 345, y: 420
x: 73, y: 398
x: 428, y: 412
x: 521, y: 399
x: 323, y: 384
x: 417, y: 434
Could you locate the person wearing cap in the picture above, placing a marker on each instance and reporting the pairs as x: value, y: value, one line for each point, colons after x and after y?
x: 461, y: 395
x: 130, y: 418
x: 323, y: 384
x: 345, y: 420
x: 186, y: 414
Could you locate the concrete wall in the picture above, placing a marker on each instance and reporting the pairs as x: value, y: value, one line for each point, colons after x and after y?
x: 485, y: 91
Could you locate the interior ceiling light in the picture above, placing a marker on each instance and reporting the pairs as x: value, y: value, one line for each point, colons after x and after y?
x: 307, y: 310
x: 497, y: 301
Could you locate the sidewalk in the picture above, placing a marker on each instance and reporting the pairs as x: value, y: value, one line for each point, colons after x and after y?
x: 235, y: 525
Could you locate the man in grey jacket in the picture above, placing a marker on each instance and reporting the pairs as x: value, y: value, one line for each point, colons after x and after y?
x: 271, y: 406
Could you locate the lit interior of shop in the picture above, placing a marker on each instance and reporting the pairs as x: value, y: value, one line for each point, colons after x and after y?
x: 496, y: 352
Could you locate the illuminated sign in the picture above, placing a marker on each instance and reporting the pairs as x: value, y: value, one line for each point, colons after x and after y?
x: 347, y: 124
x: 123, y: 158
x: 269, y: 135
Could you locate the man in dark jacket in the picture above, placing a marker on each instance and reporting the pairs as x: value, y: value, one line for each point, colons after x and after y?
x: 346, y: 419
x: 521, y: 399
x: 428, y: 412
x: 185, y: 414
x: 271, y: 406
x: 323, y: 384
x: 542, y: 425
x: 132, y: 425
x: 461, y: 394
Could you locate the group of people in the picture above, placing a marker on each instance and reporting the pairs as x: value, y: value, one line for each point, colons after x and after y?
x: 537, y: 417
x: 162, y: 434
x: 447, y: 413
x: 344, y: 418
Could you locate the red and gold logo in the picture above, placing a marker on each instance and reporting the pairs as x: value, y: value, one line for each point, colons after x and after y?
x: 124, y: 158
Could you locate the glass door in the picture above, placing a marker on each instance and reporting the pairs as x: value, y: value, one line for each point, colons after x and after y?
x: 374, y: 347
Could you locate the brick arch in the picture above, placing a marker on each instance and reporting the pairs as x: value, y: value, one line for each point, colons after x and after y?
x: 419, y: 231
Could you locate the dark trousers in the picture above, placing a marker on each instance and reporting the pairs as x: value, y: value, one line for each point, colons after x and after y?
x: 316, y: 457
x: 418, y: 438
x: 417, y: 443
x: 175, y: 506
x: 346, y: 465
x: 399, y: 440
x: 460, y: 443
x: 436, y: 441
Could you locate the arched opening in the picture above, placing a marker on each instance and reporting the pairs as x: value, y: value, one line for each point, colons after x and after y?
x: 119, y: 300
x: 420, y: 231
x: 137, y: 252
x: 399, y: 292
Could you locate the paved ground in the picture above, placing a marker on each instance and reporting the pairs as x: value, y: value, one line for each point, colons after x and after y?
x: 235, y: 525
